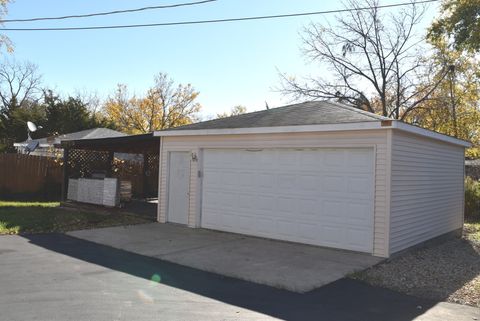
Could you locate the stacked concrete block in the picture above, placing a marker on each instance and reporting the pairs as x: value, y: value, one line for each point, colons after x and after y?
x: 111, y: 195
x: 94, y: 191
x: 72, y: 192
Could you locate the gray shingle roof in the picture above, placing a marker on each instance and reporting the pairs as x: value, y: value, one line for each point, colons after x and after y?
x: 307, y: 113
x: 84, y: 134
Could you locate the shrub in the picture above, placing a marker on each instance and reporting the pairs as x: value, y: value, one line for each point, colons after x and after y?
x: 472, y: 199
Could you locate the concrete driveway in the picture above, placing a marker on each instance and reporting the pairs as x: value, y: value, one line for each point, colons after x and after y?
x: 290, y: 266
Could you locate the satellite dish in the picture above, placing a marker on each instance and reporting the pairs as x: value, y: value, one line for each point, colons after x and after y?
x: 31, y: 126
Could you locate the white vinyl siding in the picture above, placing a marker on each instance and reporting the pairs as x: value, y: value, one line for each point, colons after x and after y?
x: 426, y: 189
x: 376, y: 139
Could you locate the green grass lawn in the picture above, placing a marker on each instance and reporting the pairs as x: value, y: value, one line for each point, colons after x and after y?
x: 44, y: 217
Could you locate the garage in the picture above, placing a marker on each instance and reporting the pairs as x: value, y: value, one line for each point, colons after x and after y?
x: 314, y: 196
x: 319, y: 173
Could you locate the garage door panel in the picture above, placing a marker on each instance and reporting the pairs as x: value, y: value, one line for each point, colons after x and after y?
x: 264, y: 203
x: 333, y: 210
x: 334, y: 183
x: 356, y: 237
x: 309, y: 232
x: 316, y: 196
x: 358, y: 213
x: 309, y: 161
x: 359, y: 159
x: 263, y: 225
x: 308, y: 182
x: 308, y: 207
x: 266, y: 181
x: 285, y: 161
x: 358, y: 185
x: 287, y: 228
x: 333, y: 235
x: 334, y: 158
x: 286, y: 205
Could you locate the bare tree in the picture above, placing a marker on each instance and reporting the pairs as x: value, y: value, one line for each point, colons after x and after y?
x: 19, y: 83
x: 19, y: 92
x: 90, y: 98
x: 373, y: 58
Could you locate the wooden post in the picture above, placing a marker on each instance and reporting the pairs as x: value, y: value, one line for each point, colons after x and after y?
x: 66, y: 158
x: 144, y: 175
x: 111, y: 156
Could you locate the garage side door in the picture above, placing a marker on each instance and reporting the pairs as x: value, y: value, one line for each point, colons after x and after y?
x: 315, y: 196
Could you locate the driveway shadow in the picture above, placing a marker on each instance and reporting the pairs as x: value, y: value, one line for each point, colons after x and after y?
x: 345, y: 299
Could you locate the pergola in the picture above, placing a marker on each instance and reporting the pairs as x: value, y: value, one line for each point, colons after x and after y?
x: 82, y: 158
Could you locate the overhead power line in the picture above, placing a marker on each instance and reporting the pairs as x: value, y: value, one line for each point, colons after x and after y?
x: 107, y: 13
x: 178, y: 23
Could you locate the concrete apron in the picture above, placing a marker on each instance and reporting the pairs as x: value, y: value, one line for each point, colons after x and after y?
x: 291, y: 266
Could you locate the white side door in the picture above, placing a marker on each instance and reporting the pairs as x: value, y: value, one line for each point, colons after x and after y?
x: 178, y: 187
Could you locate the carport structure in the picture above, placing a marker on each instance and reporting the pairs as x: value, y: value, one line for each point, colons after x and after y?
x: 133, y: 158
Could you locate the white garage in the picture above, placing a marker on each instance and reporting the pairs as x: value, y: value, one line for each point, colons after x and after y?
x: 317, y: 173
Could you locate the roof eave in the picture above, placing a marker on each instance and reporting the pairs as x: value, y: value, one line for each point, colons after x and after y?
x: 429, y: 133
x: 366, y: 125
x: 273, y: 129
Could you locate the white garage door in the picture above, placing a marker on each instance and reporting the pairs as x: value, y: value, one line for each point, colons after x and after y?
x: 315, y: 196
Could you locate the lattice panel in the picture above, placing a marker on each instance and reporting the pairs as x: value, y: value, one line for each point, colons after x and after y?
x: 152, y: 174
x: 83, y: 162
x: 152, y: 164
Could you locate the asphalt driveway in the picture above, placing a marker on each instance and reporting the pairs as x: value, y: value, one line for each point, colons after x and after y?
x: 295, y: 267
x: 57, y: 277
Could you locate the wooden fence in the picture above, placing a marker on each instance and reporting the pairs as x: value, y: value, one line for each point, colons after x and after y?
x: 30, y: 176
x: 27, y: 176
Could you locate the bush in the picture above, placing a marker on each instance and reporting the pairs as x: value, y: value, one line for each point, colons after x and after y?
x: 472, y: 199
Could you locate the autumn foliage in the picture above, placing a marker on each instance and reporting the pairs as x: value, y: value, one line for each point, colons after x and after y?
x: 164, y: 105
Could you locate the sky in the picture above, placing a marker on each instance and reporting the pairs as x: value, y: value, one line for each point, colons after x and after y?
x: 234, y: 63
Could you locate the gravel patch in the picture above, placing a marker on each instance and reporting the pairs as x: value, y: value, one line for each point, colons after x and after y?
x: 447, y: 271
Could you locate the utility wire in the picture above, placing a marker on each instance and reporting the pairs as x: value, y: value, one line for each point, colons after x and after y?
x: 107, y: 13
x: 178, y: 23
